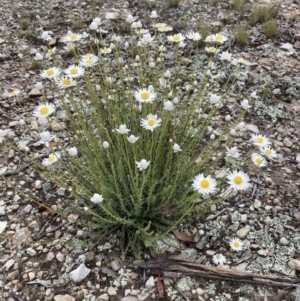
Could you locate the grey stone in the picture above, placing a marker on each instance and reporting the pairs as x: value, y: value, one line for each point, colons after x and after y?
x: 150, y: 282
x: 28, y: 208
x: 50, y: 256
x: 111, y: 291
x: 79, y: 274
x: 287, y: 142
x: 9, y: 264
x: 243, y: 232
x: 294, y: 264
x: 63, y: 298
x: 103, y: 297
x: 129, y: 298
x: 115, y: 265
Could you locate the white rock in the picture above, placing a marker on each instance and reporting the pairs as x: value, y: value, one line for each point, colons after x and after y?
x: 287, y: 142
x: 143, y: 296
x: 28, y: 208
x: 294, y: 264
x: 31, y: 275
x: 262, y: 252
x: 243, y: 232
x: 60, y: 257
x: 79, y: 274
x: 31, y: 252
x: 63, y: 298
x: 50, y: 256
x: 115, y: 265
x: 103, y: 297
x: 257, y: 204
x: 150, y: 282
x: 200, y: 291
x: 284, y: 241
x: 9, y: 264
x: 111, y: 291
x: 129, y: 298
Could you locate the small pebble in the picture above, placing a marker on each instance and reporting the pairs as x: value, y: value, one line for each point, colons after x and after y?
x: 115, y: 265
x: 150, y: 282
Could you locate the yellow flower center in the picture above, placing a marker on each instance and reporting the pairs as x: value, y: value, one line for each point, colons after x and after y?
x: 73, y: 37
x: 160, y: 24
x: 176, y: 37
x: 212, y: 49
x: 151, y: 122
x: 66, y: 81
x: 88, y: 62
x: 236, y: 244
x: 73, y: 70
x: 106, y: 50
x: 218, y: 37
x: 13, y: 93
x: 259, y: 139
x: 165, y: 28
x: 50, y: 72
x: 50, y: 51
x: 44, y: 110
x: 143, y: 31
x: 51, y: 158
x: 268, y: 152
x: 204, y: 183
x: 145, y: 95
x: 87, y: 55
x: 238, y: 179
x: 258, y: 160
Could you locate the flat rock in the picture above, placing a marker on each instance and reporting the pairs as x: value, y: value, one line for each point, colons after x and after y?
x: 287, y: 142
x: 129, y: 298
x: 34, y: 93
x: 9, y: 264
x: 150, y: 282
x: 243, y: 232
x: 50, y: 256
x: 63, y: 298
x: 79, y: 274
x: 103, y: 297
x: 294, y: 264
x: 111, y: 291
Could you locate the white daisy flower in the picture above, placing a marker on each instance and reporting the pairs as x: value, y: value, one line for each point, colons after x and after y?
x: 195, y: 36
x: 233, y: 152
x: 211, y: 49
x: 72, y: 151
x: 168, y: 105
x: 204, y: 185
x: 71, y: 37
x: 258, y: 160
x: 65, y: 82
x: 132, y: 139
x: 39, y: 86
x: 143, y: 164
x: 46, y: 35
x: 89, y: 61
x: 96, y: 198
x: 176, y: 38
x: 269, y: 152
x: 159, y: 24
x: 38, y: 56
x: 219, y: 259
x: 51, y: 159
x: 147, y: 39
x: 165, y: 28
x: 153, y: 15
x: 130, y: 18
x: 245, y: 104
x: 105, y: 50
x: 143, y: 31
x: 93, y: 26
x: 46, y: 137
x: 225, y: 56
x: 145, y: 95
x: 122, y: 129
x: 74, y: 71
x: 219, y: 38
x: 176, y: 148
x: 110, y: 16
x: 13, y: 93
x: 105, y: 144
x: 151, y: 122
x: 51, y: 73
x: 238, y: 180
x: 50, y: 52
x: 260, y: 140
x: 236, y: 244
x: 69, y: 47
x: 137, y: 24
x: 44, y: 110
x: 3, y: 225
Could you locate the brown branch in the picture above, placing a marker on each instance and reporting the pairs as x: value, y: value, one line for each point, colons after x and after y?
x: 219, y: 273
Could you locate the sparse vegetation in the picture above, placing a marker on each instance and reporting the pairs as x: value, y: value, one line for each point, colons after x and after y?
x: 270, y: 29
x: 215, y: 2
x: 263, y: 13
x: 241, y: 35
x: 173, y: 3
x: 24, y: 24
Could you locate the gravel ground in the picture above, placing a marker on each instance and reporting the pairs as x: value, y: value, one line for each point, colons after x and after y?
x: 45, y: 257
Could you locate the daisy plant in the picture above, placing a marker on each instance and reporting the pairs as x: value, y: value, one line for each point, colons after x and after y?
x: 144, y: 143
